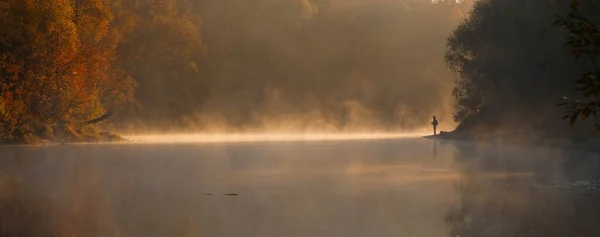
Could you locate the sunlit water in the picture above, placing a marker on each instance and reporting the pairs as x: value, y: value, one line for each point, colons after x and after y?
x: 296, y: 185
x: 263, y: 137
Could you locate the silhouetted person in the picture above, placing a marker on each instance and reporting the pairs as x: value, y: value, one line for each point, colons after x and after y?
x: 434, y: 123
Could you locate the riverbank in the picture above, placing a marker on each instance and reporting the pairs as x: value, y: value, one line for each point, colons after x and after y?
x: 521, y: 138
x: 37, y: 140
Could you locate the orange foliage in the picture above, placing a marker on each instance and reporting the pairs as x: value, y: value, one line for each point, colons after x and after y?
x: 57, y: 59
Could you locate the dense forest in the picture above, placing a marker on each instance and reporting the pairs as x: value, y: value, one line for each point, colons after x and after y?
x: 70, y: 69
x: 516, y: 59
x: 69, y: 66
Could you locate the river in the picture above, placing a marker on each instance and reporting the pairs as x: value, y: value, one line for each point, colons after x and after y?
x: 380, y: 186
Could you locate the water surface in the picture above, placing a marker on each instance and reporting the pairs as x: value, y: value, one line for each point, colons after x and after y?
x: 376, y: 187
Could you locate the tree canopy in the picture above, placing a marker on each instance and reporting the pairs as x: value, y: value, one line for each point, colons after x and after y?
x: 582, y: 23
x: 57, y: 65
x: 512, y: 66
x: 272, y: 64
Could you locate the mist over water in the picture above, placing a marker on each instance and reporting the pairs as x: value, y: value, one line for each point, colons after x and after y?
x: 296, y: 186
x: 289, y: 118
x: 310, y: 65
x: 262, y: 137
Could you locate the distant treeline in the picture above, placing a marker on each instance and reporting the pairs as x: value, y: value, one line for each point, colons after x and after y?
x: 66, y: 65
x: 300, y: 64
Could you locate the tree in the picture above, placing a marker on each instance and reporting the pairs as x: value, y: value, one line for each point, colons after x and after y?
x: 57, y: 61
x: 510, y: 66
x: 583, y: 42
x: 162, y: 40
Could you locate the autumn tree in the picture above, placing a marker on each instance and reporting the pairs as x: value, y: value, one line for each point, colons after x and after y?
x: 159, y: 51
x: 56, y: 66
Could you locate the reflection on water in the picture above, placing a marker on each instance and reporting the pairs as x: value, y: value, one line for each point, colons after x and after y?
x: 524, y: 205
x: 435, y: 148
x: 391, y: 187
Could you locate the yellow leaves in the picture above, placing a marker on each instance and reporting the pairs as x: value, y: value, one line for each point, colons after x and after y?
x: 55, y: 22
x: 93, y: 20
x: 59, y: 55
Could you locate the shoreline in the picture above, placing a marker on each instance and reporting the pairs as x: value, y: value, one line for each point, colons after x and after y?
x: 517, y: 139
x: 103, y: 137
x: 504, y: 138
